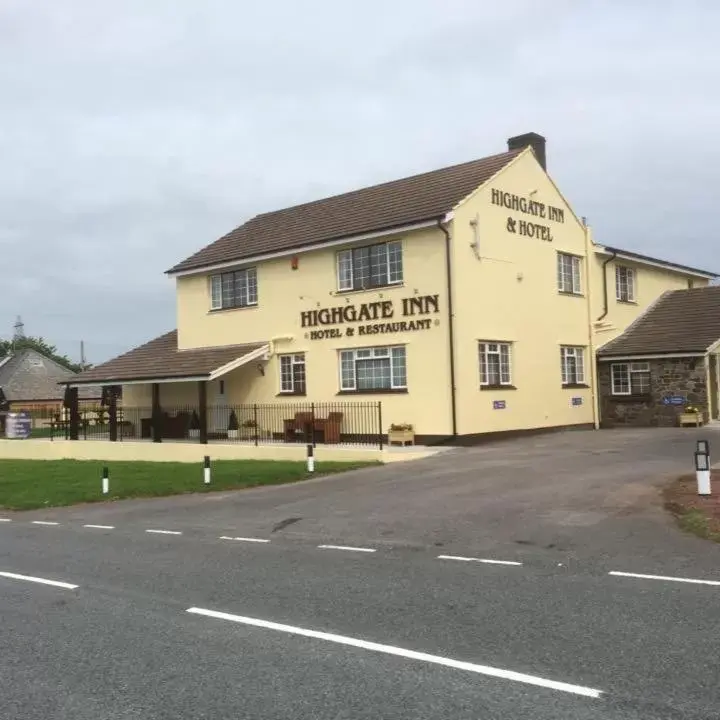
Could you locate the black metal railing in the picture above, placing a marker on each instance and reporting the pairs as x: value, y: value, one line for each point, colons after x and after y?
x: 297, y: 422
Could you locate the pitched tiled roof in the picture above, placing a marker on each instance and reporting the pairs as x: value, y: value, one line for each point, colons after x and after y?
x: 681, y: 321
x: 160, y: 359
x: 30, y: 376
x: 380, y: 207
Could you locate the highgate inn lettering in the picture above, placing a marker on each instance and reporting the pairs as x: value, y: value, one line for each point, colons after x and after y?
x: 378, y: 316
x: 528, y: 228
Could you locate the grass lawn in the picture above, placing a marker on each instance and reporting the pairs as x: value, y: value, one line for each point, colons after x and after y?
x: 698, y: 514
x: 30, y: 484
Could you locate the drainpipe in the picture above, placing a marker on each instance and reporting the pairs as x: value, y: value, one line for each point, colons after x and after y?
x: 605, y: 288
x: 594, y: 376
x: 451, y: 325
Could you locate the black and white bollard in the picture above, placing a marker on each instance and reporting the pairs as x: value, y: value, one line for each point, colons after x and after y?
x: 702, y: 473
x: 105, y: 481
x: 310, y: 459
x: 703, y: 446
x: 206, y: 470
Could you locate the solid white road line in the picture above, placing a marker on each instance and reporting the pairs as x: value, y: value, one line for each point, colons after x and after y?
x: 44, y: 522
x: 665, y: 577
x: 165, y: 532
x: 480, y: 560
x: 410, y: 654
x: 244, y: 539
x: 346, y: 547
x: 101, y: 527
x: 42, y: 581
x: 5, y: 520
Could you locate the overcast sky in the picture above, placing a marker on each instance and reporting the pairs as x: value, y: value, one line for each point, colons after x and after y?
x: 133, y: 133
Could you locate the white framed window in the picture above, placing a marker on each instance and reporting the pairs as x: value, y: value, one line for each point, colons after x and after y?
x: 378, y: 368
x: 624, y: 284
x: 292, y: 374
x: 572, y: 365
x: 632, y: 378
x: 234, y: 289
x: 569, y: 273
x: 494, y: 363
x: 370, y: 266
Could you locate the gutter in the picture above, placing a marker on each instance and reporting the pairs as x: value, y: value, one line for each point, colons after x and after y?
x: 613, y: 255
x: 451, y: 325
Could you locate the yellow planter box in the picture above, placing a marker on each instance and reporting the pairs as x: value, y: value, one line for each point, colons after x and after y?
x: 401, y: 436
x: 690, y: 419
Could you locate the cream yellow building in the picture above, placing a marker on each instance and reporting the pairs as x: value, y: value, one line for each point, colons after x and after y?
x: 465, y: 302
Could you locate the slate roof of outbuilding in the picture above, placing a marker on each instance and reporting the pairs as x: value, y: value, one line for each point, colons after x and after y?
x: 160, y: 359
x: 30, y: 376
x: 681, y: 321
x: 410, y: 200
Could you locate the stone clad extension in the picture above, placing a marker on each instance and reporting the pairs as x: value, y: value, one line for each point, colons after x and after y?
x: 448, y: 306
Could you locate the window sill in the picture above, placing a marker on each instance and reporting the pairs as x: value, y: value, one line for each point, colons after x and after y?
x: 291, y: 394
x: 230, y: 309
x: 393, y: 391
x: 626, y: 302
x: 631, y: 398
x: 378, y: 288
x: 498, y: 387
x: 567, y: 293
x: 575, y: 386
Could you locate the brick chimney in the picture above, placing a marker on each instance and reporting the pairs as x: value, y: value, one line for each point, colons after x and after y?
x: 535, y: 141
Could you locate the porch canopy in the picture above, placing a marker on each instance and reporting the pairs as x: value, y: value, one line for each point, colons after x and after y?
x: 160, y: 361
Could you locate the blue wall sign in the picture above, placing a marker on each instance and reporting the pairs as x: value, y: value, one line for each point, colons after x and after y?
x: 674, y: 400
x: 576, y: 401
x: 498, y: 404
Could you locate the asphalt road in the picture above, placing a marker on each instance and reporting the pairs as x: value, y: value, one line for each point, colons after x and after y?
x: 334, y: 632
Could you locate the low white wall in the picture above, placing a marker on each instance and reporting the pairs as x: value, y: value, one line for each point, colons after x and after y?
x: 45, y: 449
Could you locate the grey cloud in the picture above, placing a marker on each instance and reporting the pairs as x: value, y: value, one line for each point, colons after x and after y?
x: 134, y: 133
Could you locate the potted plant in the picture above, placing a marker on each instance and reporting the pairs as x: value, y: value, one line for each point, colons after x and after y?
x: 194, y: 431
x: 233, y: 426
x: 691, y: 415
x: 402, y: 433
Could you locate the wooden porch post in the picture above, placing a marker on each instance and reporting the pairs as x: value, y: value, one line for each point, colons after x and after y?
x: 202, y: 400
x: 156, y: 414
x: 112, y: 413
x: 74, y: 408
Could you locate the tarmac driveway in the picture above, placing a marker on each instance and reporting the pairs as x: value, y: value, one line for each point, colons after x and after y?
x: 557, y: 498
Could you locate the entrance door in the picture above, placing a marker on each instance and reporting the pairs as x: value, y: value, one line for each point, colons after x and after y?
x: 714, y: 386
x: 218, y: 410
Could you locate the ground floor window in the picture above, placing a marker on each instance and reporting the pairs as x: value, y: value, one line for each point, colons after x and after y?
x: 292, y: 374
x: 630, y: 378
x: 378, y: 368
x: 572, y: 365
x: 494, y: 364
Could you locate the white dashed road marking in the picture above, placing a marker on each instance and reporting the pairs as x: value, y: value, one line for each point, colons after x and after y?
x: 164, y: 532
x: 244, y: 539
x: 42, y: 581
x: 44, y: 522
x: 101, y: 527
x: 5, y: 520
x: 665, y: 577
x: 409, y: 654
x: 346, y: 547
x: 480, y: 560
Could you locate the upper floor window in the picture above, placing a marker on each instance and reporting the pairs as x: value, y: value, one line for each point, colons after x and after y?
x: 234, y: 289
x: 624, y: 284
x: 572, y: 365
x: 370, y: 266
x: 292, y: 374
x: 630, y: 378
x: 568, y: 273
x: 494, y: 364
x: 378, y: 368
